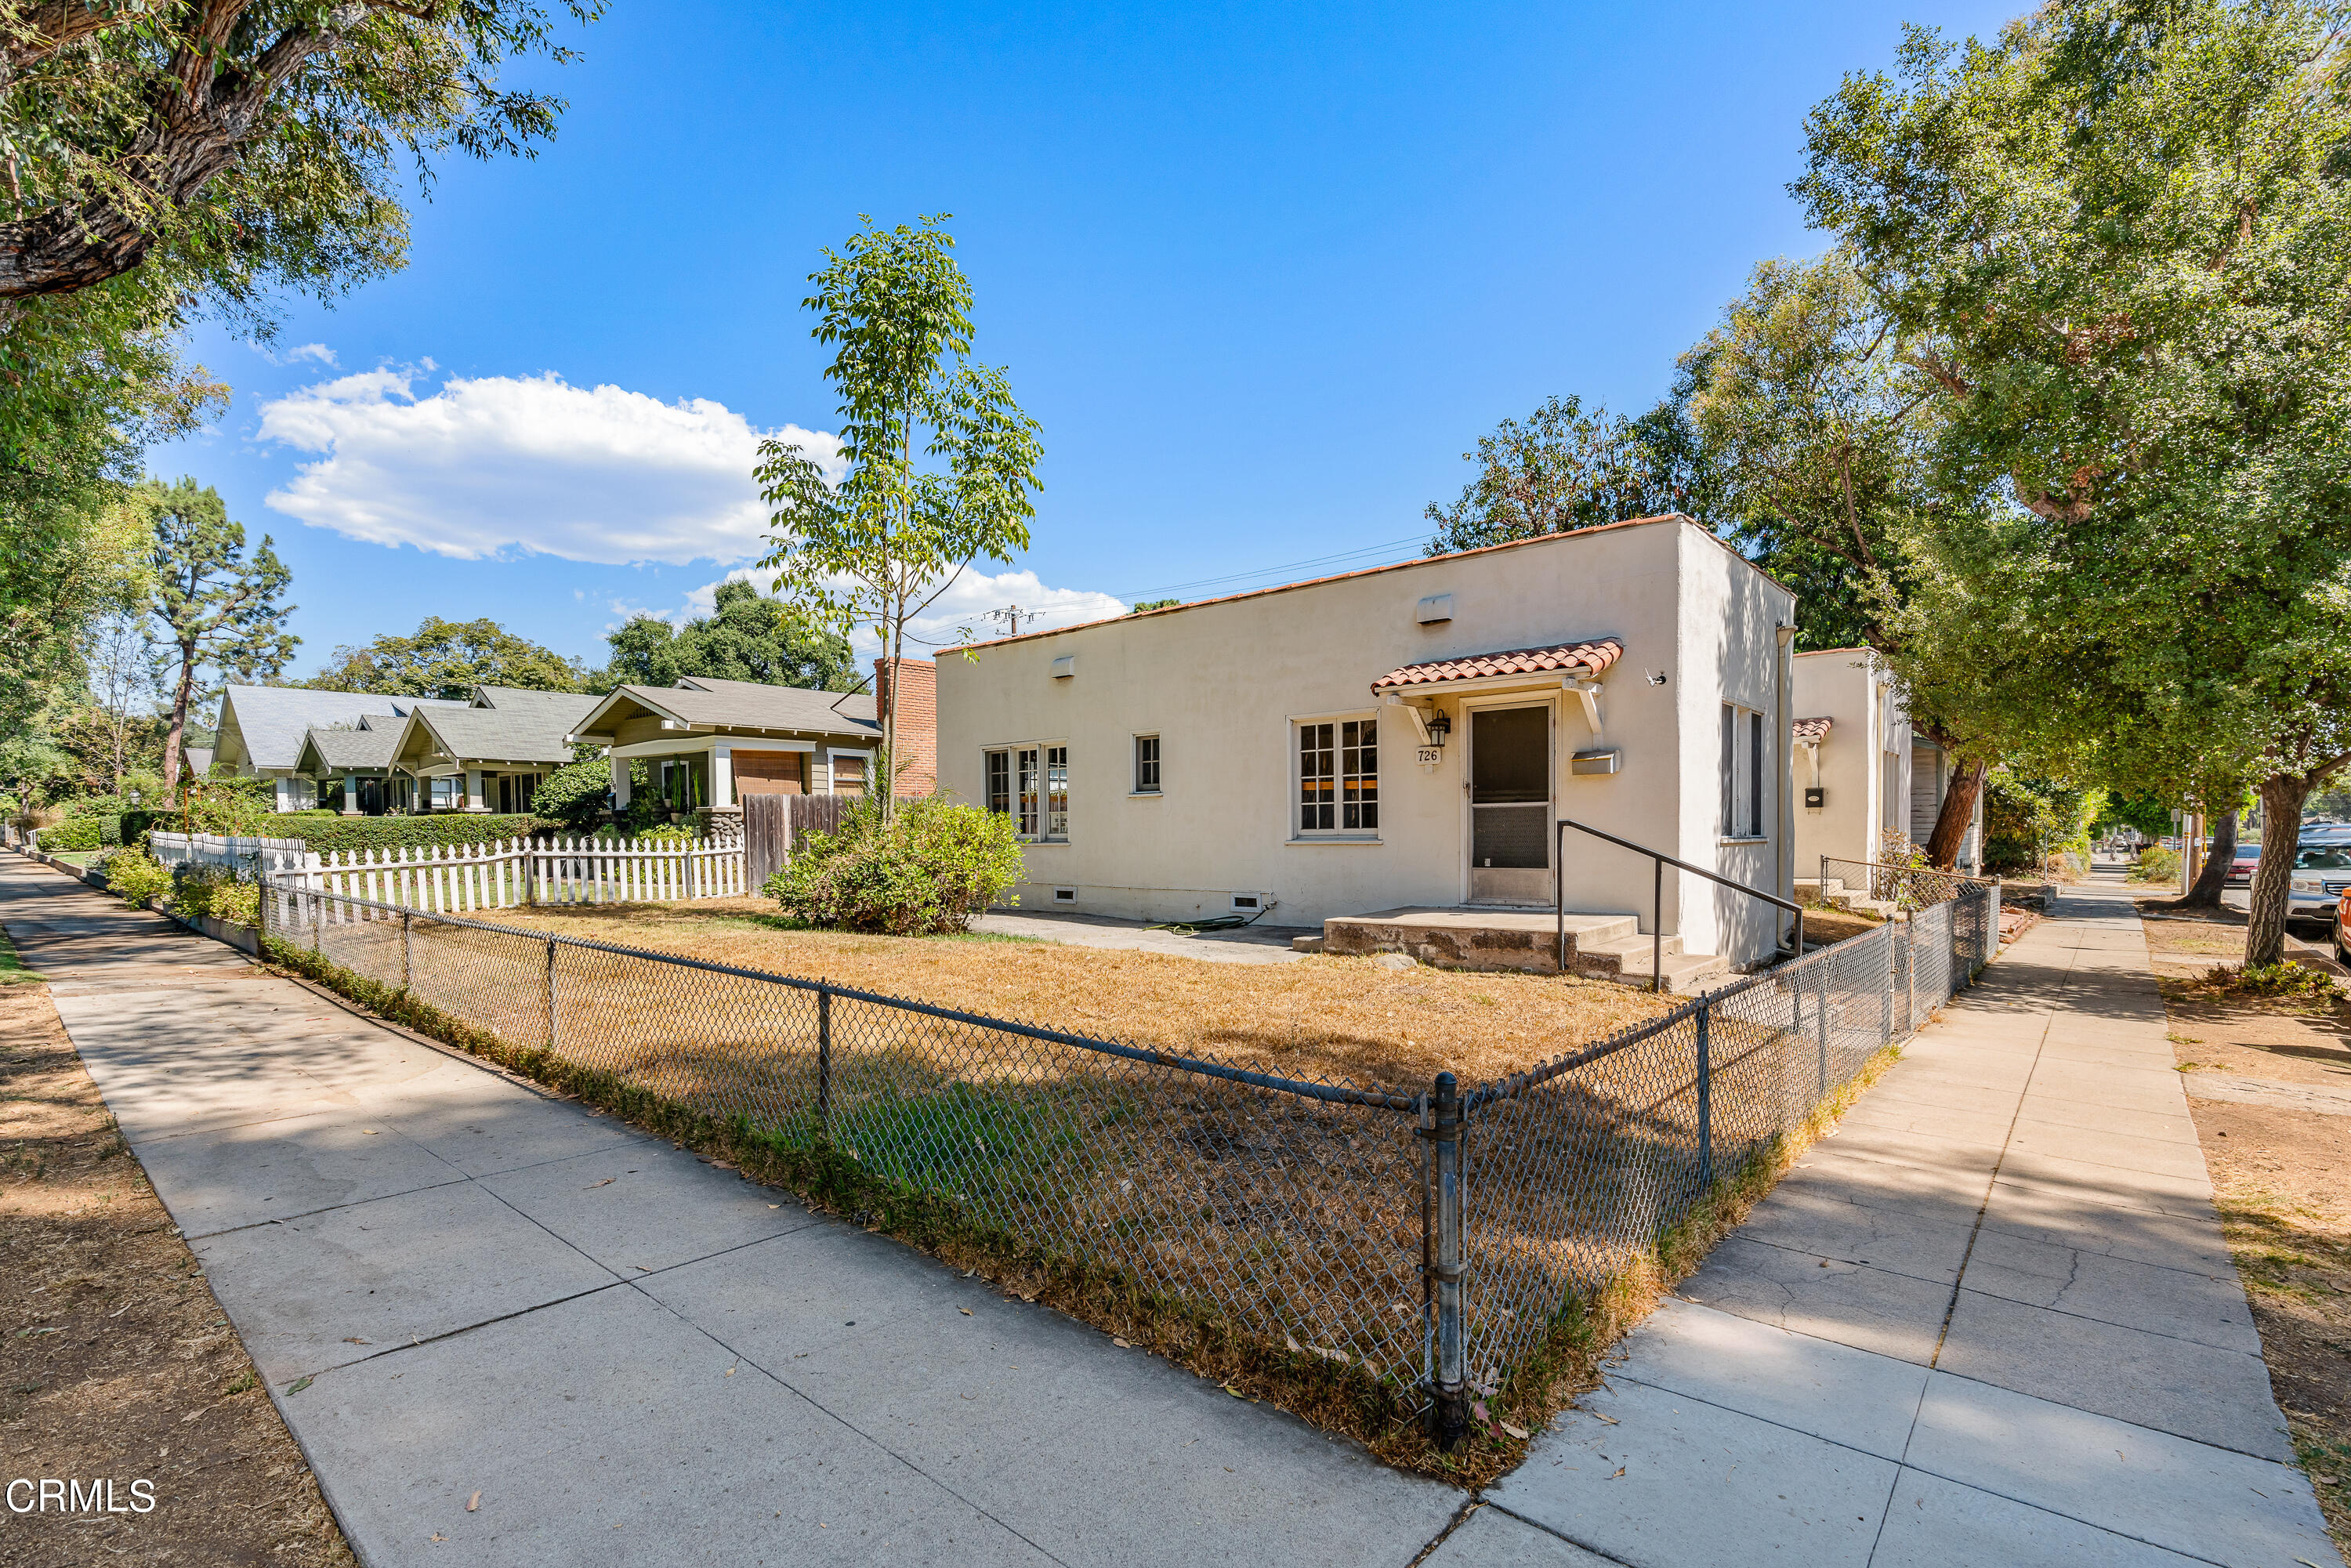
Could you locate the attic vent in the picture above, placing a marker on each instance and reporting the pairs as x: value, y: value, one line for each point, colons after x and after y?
x: 1065, y: 895
x: 1435, y: 608
x: 1065, y: 666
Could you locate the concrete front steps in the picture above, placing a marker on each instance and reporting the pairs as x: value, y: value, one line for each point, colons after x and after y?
x: 1837, y: 895
x: 1602, y: 946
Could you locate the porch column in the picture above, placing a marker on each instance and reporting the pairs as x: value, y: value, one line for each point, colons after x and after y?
x: 285, y: 794
x: 722, y: 774
x: 351, y: 794
x: 619, y: 782
x: 474, y: 801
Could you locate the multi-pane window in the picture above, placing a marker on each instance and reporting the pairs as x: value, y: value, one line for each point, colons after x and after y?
x: 1146, y: 765
x: 1744, y: 756
x: 1339, y: 776
x: 999, y: 781
x: 1029, y: 803
x: 1031, y: 785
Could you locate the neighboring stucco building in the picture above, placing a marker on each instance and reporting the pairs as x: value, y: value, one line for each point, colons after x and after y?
x: 1873, y: 774
x: 1405, y: 735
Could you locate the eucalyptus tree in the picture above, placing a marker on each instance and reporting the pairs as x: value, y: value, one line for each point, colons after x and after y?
x: 2125, y: 229
x: 941, y: 463
x: 218, y: 607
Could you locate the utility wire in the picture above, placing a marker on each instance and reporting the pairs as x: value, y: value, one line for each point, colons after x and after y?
x: 1133, y: 594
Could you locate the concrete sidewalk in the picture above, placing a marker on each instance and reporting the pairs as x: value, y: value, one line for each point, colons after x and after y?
x: 456, y: 1283
x: 1991, y: 1320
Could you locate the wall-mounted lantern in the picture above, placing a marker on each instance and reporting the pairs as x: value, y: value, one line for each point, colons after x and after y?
x: 1439, y: 726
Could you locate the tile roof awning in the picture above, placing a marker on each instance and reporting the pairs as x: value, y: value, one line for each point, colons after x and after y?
x: 1809, y: 731
x: 1572, y: 659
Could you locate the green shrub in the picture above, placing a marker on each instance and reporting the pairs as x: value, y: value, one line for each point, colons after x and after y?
x: 576, y: 795
x: 134, y: 878
x: 73, y: 834
x: 216, y: 890
x: 2156, y: 864
x: 931, y: 869
x: 330, y: 832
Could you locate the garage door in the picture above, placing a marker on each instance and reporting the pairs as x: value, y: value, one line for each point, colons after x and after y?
x: 772, y: 773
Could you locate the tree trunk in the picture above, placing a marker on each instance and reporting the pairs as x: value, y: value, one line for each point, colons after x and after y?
x: 181, y: 696
x: 1958, y: 813
x: 2281, y: 798
x: 2212, y: 881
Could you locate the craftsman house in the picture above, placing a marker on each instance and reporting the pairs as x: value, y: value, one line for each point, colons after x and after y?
x: 705, y: 743
x: 1864, y: 776
x: 261, y: 730
x: 1409, y: 736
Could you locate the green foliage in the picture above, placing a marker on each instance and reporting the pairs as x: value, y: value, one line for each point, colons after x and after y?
x: 135, y: 878
x: 449, y: 659
x: 665, y: 833
x: 2285, y: 978
x: 1143, y: 604
x: 216, y: 890
x: 882, y: 544
x: 1566, y: 468
x: 576, y: 795
x: 930, y: 868
x: 218, y: 608
x: 2144, y: 814
x: 749, y: 636
x: 73, y: 835
x: 325, y: 832
x: 2026, y: 815
x: 2119, y: 239
x: 2156, y: 864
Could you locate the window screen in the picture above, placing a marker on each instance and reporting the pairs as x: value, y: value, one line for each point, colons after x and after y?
x: 1729, y: 770
x: 1146, y: 765
x: 999, y: 781
x: 1057, y: 791
x: 1754, y: 774
x: 1030, y: 802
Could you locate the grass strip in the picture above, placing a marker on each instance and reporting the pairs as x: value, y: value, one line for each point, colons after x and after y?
x: 12, y: 968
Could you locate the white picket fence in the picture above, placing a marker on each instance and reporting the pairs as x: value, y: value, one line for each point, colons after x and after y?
x: 266, y: 857
x: 452, y: 879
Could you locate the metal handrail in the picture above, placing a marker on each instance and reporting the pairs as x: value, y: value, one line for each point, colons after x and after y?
x: 1657, y: 895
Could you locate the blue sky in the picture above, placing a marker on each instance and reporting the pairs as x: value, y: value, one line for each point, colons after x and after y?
x: 1263, y: 272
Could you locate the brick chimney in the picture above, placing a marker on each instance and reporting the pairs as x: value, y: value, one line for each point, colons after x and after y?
x: 914, y: 689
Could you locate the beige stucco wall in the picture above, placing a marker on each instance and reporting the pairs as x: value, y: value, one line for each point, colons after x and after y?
x: 1221, y: 684
x: 1851, y: 687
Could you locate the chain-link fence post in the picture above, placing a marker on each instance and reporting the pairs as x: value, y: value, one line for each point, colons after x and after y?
x: 1821, y: 1027
x: 824, y: 1065
x: 407, y: 964
x: 317, y: 925
x: 1704, y: 1096
x: 1451, y: 1409
x: 551, y: 993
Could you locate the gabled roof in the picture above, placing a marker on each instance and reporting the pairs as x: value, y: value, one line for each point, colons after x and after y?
x: 508, y: 725
x: 266, y: 724
x: 364, y: 746
x: 709, y: 704
x: 1586, y: 659
x: 1809, y: 731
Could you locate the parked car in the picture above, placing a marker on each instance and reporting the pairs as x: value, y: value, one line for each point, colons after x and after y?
x: 2343, y: 925
x: 2322, y: 875
x: 2241, y: 870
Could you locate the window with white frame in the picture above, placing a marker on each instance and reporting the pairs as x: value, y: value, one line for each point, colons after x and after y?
x: 1031, y: 785
x: 1146, y: 765
x: 1339, y: 776
x: 1745, y: 755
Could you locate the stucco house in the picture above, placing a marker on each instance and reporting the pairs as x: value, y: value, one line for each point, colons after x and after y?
x: 1407, y: 736
x: 708, y: 742
x: 1863, y: 772
x: 260, y: 731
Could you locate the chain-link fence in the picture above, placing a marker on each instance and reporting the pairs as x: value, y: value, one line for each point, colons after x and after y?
x: 1908, y: 886
x: 1428, y: 1236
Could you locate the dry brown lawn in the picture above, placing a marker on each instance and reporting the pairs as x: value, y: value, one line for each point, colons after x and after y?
x: 1330, y: 1017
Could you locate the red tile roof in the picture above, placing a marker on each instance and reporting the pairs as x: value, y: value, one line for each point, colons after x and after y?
x: 1810, y: 729
x: 1590, y: 658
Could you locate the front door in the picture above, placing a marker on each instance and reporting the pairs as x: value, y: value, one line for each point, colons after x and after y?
x: 1509, y: 805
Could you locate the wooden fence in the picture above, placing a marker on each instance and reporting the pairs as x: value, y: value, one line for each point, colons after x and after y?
x: 501, y: 874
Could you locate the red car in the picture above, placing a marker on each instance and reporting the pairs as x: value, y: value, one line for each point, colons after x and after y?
x: 2241, y: 870
x: 2342, y: 916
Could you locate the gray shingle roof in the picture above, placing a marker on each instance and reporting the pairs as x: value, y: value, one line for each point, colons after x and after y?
x: 522, y: 726
x: 273, y: 720
x: 371, y: 747
x: 748, y: 705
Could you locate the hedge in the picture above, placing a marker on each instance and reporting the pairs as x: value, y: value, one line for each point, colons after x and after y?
x: 325, y: 831
x: 74, y: 833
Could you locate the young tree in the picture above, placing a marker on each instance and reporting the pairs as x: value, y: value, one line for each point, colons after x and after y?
x: 1568, y: 468
x: 218, y: 607
x: 449, y: 659
x: 125, y: 674
x: 880, y: 547
x: 748, y: 636
x: 2127, y: 231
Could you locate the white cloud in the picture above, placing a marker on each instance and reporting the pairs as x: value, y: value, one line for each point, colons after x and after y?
x: 965, y: 604
x: 319, y: 352
x: 487, y: 465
